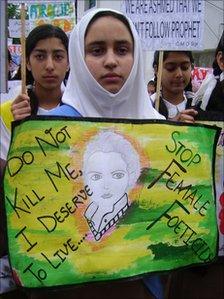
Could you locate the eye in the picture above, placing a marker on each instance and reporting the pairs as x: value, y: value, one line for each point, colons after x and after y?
x: 118, y: 175
x: 39, y: 56
x: 122, y: 50
x: 58, y: 57
x: 96, y: 51
x: 170, y: 67
x: 96, y: 177
x: 185, y: 66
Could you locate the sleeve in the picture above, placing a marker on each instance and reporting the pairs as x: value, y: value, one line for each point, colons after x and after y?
x: 5, y: 128
x: 5, y: 140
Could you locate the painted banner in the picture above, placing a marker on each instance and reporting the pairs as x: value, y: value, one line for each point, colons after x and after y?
x: 198, y: 74
x: 219, y: 183
x: 57, y: 13
x: 95, y: 200
x: 167, y: 25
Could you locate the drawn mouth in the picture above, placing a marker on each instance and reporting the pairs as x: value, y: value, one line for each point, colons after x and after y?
x: 106, y: 195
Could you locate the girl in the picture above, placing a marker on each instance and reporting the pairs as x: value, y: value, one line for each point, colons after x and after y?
x: 106, y: 80
x: 47, y: 65
x: 176, y: 75
x: 106, y: 77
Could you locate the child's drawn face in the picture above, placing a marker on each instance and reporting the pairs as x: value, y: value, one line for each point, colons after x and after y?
x: 109, y: 52
x: 107, y: 176
x: 176, y: 73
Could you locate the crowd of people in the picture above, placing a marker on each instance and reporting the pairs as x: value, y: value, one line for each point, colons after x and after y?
x: 103, y: 67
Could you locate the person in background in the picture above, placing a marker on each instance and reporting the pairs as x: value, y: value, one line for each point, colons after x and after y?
x: 176, y: 76
x: 9, y: 65
x: 210, y: 96
x: 151, y: 87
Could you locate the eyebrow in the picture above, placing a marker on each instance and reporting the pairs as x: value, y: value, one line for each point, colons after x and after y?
x: 99, y: 42
x: 89, y: 172
x: 172, y: 62
x: 45, y: 51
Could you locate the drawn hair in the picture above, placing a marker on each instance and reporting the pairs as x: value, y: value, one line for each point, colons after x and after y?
x: 109, y: 141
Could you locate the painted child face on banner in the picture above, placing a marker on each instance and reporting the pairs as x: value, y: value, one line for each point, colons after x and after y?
x: 107, y: 177
x: 111, y: 167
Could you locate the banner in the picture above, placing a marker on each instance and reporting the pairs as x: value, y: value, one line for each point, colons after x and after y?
x: 57, y: 13
x: 95, y: 200
x: 198, y: 74
x: 219, y: 183
x: 167, y: 25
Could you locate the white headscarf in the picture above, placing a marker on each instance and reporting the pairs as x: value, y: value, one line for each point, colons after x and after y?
x: 86, y: 95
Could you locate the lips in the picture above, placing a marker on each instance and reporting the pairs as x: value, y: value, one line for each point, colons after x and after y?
x: 111, y: 76
x: 49, y: 77
x: 106, y: 195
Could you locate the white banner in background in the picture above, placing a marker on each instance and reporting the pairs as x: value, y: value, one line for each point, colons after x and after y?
x: 167, y: 24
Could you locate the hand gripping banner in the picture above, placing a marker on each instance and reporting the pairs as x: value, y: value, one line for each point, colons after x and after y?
x: 96, y: 200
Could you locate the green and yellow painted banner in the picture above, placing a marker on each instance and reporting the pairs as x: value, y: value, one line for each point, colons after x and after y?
x: 95, y: 200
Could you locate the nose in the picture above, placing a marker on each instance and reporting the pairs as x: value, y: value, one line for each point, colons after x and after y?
x: 49, y: 63
x: 179, y: 72
x: 110, y: 59
x: 105, y: 184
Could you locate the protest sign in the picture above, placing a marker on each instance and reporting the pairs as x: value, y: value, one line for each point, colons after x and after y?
x: 167, y: 25
x: 15, y: 51
x: 219, y: 183
x: 95, y: 200
x: 61, y: 14
x: 198, y: 74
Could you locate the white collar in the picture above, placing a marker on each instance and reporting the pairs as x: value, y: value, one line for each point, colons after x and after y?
x: 173, y: 110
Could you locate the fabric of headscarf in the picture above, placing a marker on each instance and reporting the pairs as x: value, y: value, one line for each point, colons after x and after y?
x: 204, y: 92
x: 87, y: 96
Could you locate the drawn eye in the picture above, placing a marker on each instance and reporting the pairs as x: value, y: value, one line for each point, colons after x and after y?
x: 96, y: 177
x: 118, y: 175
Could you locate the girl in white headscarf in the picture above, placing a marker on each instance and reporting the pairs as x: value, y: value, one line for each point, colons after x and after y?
x: 107, y: 78
x: 106, y: 74
x: 86, y: 92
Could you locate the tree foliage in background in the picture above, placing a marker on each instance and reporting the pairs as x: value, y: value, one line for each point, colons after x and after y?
x: 14, y: 11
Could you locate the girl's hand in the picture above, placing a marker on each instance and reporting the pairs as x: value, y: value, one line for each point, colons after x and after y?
x: 21, y: 107
x: 186, y: 116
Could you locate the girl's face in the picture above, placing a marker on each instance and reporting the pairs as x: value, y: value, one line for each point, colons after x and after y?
x: 109, y: 52
x: 220, y: 60
x: 48, y: 63
x: 176, y: 73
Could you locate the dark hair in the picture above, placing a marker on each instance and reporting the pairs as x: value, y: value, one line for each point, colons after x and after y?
x: 166, y: 53
x: 151, y: 82
x: 39, y: 33
x: 220, y: 48
x: 9, y: 61
x: 113, y: 14
x: 9, y: 56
